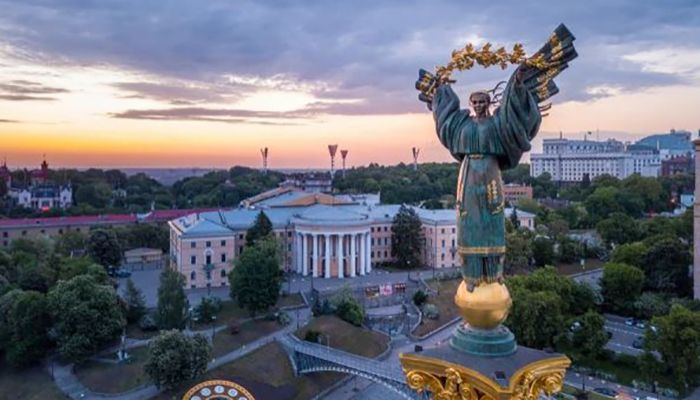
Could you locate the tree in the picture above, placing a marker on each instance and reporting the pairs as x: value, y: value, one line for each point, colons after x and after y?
x: 621, y: 285
x: 619, y: 228
x: 208, y: 308
x: 256, y: 278
x: 543, y: 251
x: 135, y: 302
x: 261, y: 228
x: 104, y: 248
x: 24, y: 326
x: 406, y: 238
x: 173, y: 307
x: 630, y: 253
x: 677, y: 339
x: 518, y: 251
x: 590, y: 338
x: 71, y: 267
x: 541, y: 306
x: 86, y: 316
x: 70, y: 243
x: 651, y: 304
x: 514, y: 218
x: 174, y: 358
x: 666, y: 266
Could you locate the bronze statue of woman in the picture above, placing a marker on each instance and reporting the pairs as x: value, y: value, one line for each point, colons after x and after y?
x: 485, y: 144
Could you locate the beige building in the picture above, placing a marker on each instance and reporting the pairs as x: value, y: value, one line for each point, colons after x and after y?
x: 324, y: 236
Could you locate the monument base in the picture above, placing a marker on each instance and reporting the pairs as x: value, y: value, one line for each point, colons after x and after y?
x: 498, y: 342
x: 524, y: 374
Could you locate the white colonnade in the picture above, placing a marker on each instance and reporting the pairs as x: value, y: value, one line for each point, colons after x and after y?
x: 333, y: 255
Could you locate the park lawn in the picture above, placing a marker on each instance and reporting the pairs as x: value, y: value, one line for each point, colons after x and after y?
x: 575, y: 267
x: 290, y: 300
x: 250, y: 331
x: 33, y: 383
x: 107, y: 377
x: 268, y: 364
x: 232, y: 313
x: 445, y: 302
x: 347, y: 337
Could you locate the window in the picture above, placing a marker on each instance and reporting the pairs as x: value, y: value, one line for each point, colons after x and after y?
x: 208, y: 277
x: 193, y: 260
x: 385, y: 254
x: 5, y: 243
x: 372, y: 241
x: 24, y: 233
x: 386, y: 229
x: 443, y: 243
x: 371, y: 229
x: 240, y: 236
x: 77, y: 229
x: 208, y: 243
x: 43, y: 231
x: 289, y: 234
x: 386, y: 241
x: 372, y: 254
x: 193, y: 276
x: 442, y: 257
x: 453, y: 230
x: 453, y: 243
x: 4, y: 234
x: 223, y: 273
x: 223, y: 243
x: 240, y: 249
x: 442, y: 230
x: 60, y: 231
x: 193, y: 245
x: 208, y: 259
x: 223, y: 257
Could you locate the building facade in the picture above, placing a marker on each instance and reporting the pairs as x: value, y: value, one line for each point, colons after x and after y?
x: 322, y: 236
x: 513, y: 193
x: 41, y: 193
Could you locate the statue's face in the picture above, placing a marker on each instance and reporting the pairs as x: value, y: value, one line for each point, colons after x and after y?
x: 480, y: 103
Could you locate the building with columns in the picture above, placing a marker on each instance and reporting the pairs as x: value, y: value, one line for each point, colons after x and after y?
x: 323, y: 236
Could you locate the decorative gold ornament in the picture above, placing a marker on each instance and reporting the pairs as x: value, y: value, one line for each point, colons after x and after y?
x: 218, y: 389
x: 466, y: 58
x: 448, y: 381
x: 486, y: 306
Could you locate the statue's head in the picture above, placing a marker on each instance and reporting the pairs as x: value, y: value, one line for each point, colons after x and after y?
x: 480, y: 102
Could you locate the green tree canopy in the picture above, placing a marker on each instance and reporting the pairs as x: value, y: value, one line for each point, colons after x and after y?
x: 104, y: 248
x: 173, y: 306
x: 630, y: 253
x: 24, y: 327
x: 406, y: 238
x: 543, y: 251
x: 86, y: 316
x: 262, y: 227
x: 71, y: 242
x: 621, y: 285
x: 518, y: 251
x: 541, y: 306
x: 174, y: 357
x: 618, y: 228
x: 256, y: 278
x: 666, y: 266
x: 135, y: 302
x: 677, y: 339
x: 590, y: 338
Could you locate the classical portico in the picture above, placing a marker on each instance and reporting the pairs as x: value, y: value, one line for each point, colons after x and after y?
x: 333, y: 243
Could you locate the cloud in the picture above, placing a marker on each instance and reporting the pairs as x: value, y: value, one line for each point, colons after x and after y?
x: 361, y: 50
x: 23, y: 90
x: 8, y: 121
x: 209, y: 114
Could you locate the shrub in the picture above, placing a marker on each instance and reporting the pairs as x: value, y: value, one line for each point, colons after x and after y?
x: 419, y: 298
x: 283, y: 318
x: 312, y: 336
x: 148, y: 323
x: 350, y: 311
x: 431, y: 311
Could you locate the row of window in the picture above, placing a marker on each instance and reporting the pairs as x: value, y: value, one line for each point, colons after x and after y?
x: 6, y: 234
x: 193, y: 259
x: 193, y: 275
x: 379, y: 229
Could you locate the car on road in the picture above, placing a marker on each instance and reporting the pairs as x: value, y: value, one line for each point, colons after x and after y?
x: 606, y: 391
x: 638, y: 342
x: 629, y: 322
x: 123, y: 273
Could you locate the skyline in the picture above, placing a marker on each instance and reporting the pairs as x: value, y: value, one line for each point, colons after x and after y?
x: 126, y: 84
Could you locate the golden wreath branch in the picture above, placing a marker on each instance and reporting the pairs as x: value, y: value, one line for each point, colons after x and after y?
x: 466, y: 58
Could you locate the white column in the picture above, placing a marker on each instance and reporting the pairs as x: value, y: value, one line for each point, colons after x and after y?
x: 363, y: 250
x: 352, y: 255
x: 341, y: 272
x: 314, y: 260
x: 327, y: 273
x: 304, y: 254
x: 368, y: 247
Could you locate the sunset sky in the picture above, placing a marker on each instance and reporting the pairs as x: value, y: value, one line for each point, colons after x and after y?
x: 119, y: 83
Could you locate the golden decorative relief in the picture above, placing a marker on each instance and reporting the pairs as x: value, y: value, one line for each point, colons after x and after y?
x: 447, y: 381
x: 481, y: 250
x: 466, y: 58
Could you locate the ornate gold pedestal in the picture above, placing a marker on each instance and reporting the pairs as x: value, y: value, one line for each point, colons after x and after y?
x: 491, y: 379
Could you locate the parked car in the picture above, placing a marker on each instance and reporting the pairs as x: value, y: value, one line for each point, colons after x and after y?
x: 575, y: 326
x: 606, y: 391
x: 640, y: 324
x: 630, y: 321
x: 638, y: 342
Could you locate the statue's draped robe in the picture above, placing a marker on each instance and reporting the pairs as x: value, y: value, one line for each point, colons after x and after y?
x: 484, y: 149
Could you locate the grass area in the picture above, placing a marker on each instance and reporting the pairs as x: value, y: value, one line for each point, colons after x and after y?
x: 445, y: 303
x: 114, y: 377
x: 225, y: 342
x: 347, y: 337
x: 231, y: 312
x: 575, y: 268
x: 268, y: 364
x: 32, y: 383
x: 134, y: 332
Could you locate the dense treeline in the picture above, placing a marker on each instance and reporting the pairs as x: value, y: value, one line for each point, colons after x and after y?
x: 97, y: 191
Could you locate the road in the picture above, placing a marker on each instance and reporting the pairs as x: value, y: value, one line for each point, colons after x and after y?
x: 622, y: 335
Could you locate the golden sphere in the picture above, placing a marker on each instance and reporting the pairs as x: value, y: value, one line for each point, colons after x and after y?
x: 486, y: 307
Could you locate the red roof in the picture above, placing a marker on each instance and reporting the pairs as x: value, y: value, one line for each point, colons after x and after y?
x: 167, y: 215
x: 69, y: 221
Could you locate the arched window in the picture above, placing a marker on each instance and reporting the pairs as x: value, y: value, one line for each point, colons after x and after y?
x: 193, y: 276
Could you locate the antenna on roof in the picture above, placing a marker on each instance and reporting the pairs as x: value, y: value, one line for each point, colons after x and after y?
x: 344, y: 155
x: 264, y: 152
x: 416, y: 152
x: 332, y: 149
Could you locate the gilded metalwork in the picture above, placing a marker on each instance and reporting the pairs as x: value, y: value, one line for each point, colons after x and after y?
x: 218, y: 389
x: 486, y: 306
x: 448, y: 381
x: 481, y: 250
